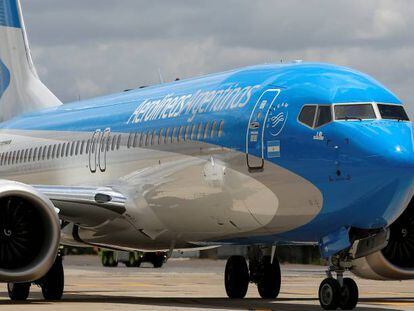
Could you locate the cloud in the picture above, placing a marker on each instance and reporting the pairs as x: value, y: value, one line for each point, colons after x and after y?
x: 92, y: 47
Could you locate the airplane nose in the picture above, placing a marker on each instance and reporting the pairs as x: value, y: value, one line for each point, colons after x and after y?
x: 402, y: 156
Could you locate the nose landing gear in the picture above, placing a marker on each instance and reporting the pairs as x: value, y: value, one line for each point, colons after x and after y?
x: 338, y: 293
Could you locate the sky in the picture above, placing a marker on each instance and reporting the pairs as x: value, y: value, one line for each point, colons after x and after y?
x: 87, y: 48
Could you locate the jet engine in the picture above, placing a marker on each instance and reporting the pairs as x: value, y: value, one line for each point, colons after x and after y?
x: 396, y: 260
x: 29, y: 233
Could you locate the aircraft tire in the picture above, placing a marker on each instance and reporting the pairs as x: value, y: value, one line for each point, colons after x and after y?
x: 236, y: 277
x: 18, y: 291
x: 53, y: 282
x: 329, y: 294
x: 349, y: 294
x: 269, y: 282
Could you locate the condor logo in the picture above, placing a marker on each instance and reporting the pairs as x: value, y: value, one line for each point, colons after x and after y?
x: 277, y: 118
x: 4, y: 78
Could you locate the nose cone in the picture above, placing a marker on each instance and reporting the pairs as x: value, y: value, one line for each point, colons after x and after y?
x: 392, y: 144
x: 382, y: 170
x: 385, y: 144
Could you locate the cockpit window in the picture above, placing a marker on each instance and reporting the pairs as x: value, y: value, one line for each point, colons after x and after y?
x: 393, y: 112
x: 323, y: 116
x: 354, y: 112
x: 307, y: 115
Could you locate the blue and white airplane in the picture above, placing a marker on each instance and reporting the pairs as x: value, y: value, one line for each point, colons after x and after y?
x: 302, y: 153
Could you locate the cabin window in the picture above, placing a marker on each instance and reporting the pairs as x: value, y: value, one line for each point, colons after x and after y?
x: 67, y: 149
x: 44, y: 152
x: 147, y: 138
x: 129, y: 143
x: 193, y: 132
x: 9, y: 158
x: 62, y: 152
x: 39, y: 153
x: 307, y: 115
x: 154, y: 137
x: 72, y: 148
x: 118, y: 142
x: 160, y: 138
x: 77, y: 148
x: 173, y: 135
x: 199, y: 127
x: 82, y: 146
x: 220, y: 129
x: 167, y: 133
x: 213, y: 129
x: 49, y: 151
x: 14, y: 160
x: 142, y: 140
x: 58, y: 151
x: 34, y: 154
x: 206, y: 128
x: 136, y: 139
x: 53, y: 151
x: 113, y: 143
x: 29, y: 157
x: 354, y: 112
x: 187, y: 131
x: 323, y: 116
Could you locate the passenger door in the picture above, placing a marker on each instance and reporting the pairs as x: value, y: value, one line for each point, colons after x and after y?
x: 255, y: 152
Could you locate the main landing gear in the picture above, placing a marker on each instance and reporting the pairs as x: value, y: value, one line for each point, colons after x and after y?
x: 52, y: 284
x: 340, y: 292
x: 263, y: 270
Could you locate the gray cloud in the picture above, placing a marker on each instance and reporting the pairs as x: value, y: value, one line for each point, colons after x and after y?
x: 93, y: 47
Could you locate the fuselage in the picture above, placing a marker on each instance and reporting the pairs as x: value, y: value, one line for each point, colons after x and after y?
x: 226, y: 158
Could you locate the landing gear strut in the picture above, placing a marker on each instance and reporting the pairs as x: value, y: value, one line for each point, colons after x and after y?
x: 263, y: 270
x: 340, y: 292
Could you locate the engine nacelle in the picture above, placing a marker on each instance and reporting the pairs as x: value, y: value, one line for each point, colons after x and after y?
x: 396, y: 260
x: 29, y: 233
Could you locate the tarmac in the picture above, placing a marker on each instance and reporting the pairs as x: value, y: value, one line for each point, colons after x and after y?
x: 195, y: 284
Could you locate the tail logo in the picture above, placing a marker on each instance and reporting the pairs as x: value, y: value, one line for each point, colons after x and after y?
x: 4, y: 78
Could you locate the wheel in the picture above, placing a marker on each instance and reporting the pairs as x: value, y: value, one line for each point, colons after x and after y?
x: 112, y: 262
x: 269, y: 281
x: 236, y: 277
x: 53, y: 282
x: 105, y: 260
x: 132, y: 261
x: 349, y: 295
x: 158, y: 261
x: 18, y: 291
x: 329, y: 294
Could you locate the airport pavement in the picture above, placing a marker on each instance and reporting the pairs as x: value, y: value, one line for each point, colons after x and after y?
x: 194, y: 284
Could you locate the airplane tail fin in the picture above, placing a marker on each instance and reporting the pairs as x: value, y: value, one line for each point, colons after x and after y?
x: 20, y: 87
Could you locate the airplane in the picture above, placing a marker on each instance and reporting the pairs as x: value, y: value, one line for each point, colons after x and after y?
x: 293, y: 153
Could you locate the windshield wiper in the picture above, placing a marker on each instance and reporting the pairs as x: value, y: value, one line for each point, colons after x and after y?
x: 346, y: 118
